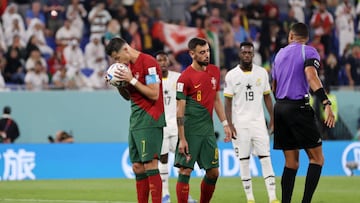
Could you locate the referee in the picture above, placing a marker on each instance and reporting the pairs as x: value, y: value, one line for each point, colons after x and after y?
x: 294, y: 73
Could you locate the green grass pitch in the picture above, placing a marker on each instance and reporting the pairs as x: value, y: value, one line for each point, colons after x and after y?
x: 330, y: 190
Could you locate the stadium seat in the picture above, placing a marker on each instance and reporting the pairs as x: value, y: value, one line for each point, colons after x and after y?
x: 87, y: 71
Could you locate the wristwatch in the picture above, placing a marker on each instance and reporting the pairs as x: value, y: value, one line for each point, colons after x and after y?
x: 328, y: 102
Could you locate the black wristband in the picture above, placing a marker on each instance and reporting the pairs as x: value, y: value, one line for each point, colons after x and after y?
x: 328, y: 102
x: 320, y: 94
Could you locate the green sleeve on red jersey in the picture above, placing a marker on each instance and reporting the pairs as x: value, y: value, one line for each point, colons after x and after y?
x: 180, y: 89
x: 180, y: 96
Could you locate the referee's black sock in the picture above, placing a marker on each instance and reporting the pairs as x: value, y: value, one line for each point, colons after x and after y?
x: 287, y: 184
x: 312, y: 179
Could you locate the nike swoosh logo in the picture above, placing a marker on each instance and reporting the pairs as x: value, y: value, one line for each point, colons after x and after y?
x: 214, y: 162
x: 197, y: 86
x: 143, y: 155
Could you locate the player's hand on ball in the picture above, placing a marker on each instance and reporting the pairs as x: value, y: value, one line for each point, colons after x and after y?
x: 123, y: 75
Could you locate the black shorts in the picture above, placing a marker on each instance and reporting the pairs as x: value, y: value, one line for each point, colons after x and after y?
x: 295, y: 125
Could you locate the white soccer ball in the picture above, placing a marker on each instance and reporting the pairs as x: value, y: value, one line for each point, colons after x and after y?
x: 111, y: 79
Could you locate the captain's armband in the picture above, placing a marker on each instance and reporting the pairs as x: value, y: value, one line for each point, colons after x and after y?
x: 180, y: 121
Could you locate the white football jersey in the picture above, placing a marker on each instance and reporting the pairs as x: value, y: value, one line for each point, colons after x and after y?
x: 247, y: 90
x: 169, y: 93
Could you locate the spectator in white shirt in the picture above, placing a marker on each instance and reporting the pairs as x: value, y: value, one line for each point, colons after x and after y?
x: 2, y: 68
x: 98, y: 18
x: 14, y: 28
x: 298, y: 8
x: 11, y: 13
x: 2, y: 83
x: 37, y: 79
x: 75, y: 12
x: 61, y: 80
x: 36, y: 28
x: 345, y: 14
x: 74, y: 57
x: 95, y: 53
x: 3, y: 45
x: 66, y: 33
x: 34, y: 56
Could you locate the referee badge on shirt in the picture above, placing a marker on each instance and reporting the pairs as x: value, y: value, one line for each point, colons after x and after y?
x: 317, y: 64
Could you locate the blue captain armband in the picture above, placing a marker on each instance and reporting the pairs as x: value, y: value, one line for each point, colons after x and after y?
x: 152, y: 79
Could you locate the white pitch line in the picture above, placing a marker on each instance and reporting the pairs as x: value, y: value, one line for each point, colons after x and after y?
x: 58, y: 200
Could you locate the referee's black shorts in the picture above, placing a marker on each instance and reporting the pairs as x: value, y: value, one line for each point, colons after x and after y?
x: 295, y: 125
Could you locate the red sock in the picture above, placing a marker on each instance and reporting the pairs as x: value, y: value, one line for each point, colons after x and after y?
x: 155, y: 184
x: 142, y: 189
x: 182, y: 192
x: 207, y: 190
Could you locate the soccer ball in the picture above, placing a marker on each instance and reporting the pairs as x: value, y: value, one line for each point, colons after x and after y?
x: 111, y: 79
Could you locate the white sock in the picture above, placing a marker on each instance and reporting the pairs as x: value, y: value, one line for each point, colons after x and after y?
x: 246, y: 178
x: 269, y: 177
x: 164, y: 173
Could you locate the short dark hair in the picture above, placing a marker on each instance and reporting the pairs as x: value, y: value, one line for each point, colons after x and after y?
x: 246, y: 44
x: 114, y: 45
x: 7, y: 110
x: 161, y: 52
x: 300, y: 29
x: 196, y: 41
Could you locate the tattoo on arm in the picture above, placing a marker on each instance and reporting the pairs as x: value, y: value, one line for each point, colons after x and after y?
x: 180, y: 121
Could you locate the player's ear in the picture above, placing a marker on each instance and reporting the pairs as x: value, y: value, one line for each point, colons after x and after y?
x: 291, y: 36
x: 127, y: 47
x: 191, y: 53
x: 124, y: 48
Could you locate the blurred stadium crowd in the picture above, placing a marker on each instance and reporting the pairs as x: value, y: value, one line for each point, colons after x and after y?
x: 59, y: 44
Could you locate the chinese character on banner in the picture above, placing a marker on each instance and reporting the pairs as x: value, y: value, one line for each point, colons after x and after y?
x: 18, y: 166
